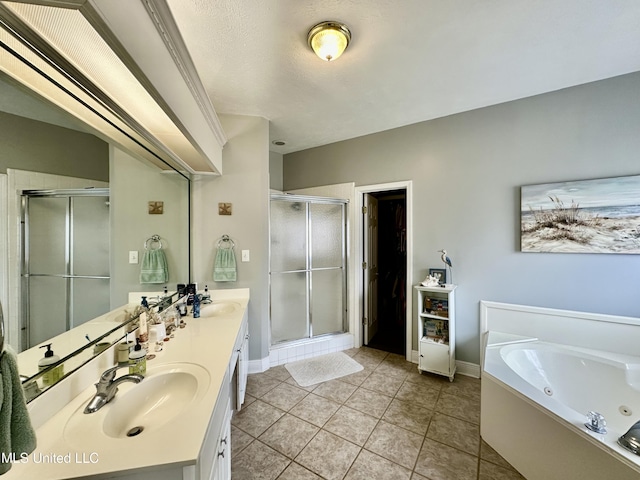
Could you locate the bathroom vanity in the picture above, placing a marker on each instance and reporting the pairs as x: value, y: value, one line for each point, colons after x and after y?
x: 175, y: 424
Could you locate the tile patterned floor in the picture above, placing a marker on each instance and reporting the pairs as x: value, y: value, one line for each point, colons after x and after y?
x: 384, y: 422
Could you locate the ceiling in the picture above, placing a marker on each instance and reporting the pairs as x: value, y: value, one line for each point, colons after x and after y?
x: 409, y: 60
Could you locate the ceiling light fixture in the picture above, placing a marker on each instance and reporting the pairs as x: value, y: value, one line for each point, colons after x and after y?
x: 329, y: 39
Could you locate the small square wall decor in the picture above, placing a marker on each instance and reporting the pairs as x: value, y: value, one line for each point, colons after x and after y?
x: 156, y: 208
x: 224, y: 208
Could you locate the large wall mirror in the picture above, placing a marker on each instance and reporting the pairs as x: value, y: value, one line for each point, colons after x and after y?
x: 78, y: 205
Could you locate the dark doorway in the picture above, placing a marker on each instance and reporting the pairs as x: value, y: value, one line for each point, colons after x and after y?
x: 392, y: 275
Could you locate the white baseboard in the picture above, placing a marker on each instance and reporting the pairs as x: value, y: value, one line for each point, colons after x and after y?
x: 258, y: 366
x: 468, y: 369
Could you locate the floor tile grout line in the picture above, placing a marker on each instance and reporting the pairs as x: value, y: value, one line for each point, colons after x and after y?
x: 441, y: 392
x: 433, y: 411
x: 361, y: 447
x: 424, y: 439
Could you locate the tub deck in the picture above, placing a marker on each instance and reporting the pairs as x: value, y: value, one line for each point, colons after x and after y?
x: 541, y: 437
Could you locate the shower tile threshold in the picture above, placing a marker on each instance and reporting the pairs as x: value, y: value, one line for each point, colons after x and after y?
x: 291, y: 352
x: 386, y: 421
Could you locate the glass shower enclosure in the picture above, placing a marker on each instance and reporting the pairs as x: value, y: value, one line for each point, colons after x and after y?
x: 308, y: 267
x: 65, y: 260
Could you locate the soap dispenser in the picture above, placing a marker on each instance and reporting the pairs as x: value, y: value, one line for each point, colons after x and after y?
x: 138, y: 359
x: 55, y: 374
x: 206, y: 296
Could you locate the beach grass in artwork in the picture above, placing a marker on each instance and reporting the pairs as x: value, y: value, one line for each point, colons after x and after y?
x: 598, y: 216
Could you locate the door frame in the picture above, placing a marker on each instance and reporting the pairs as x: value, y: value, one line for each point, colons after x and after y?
x: 359, y: 252
x: 368, y: 200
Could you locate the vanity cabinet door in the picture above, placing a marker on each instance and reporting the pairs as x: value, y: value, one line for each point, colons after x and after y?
x: 209, y: 460
x: 222, y: 463
x: 243, y: 370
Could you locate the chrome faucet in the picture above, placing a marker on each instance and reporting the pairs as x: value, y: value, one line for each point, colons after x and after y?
x: 107, y: 387
x: 596, y: 423
x: 631, y: 439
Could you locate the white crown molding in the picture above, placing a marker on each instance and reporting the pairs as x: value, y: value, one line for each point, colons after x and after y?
x: 71, y: 4
x: 160, y: 14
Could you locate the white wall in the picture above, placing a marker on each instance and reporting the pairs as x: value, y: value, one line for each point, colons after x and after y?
x: 245, y: 184
x: 133, y: 184
x: 41, y: 147
x: 275, y: 171
x: 467, y: 171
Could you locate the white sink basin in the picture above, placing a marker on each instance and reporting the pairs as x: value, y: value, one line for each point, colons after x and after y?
x: 139, y: 410
x: 218, y: 308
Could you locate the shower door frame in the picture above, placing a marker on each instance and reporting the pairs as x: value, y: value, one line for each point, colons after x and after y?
x: 25, y: 273
x: 308, y: 200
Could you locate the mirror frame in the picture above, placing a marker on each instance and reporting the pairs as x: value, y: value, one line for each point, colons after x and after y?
x: 42, y: 69
x: 34, y: 64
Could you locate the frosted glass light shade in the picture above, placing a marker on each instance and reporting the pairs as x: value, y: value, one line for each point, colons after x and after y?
x: 329, y: 40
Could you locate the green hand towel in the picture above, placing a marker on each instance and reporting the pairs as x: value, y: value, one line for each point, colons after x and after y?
x: 17, y: 436
x: 224, y: 269
x: 154, y: 267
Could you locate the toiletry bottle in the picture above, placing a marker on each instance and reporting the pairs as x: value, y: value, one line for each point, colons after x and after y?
x: 191, y: 291
x: 53, y: 375
x: 138, y: 359
x: 122, y: 353
x: 182, y: 308
x: 143, y: 330
x: 196, y: 305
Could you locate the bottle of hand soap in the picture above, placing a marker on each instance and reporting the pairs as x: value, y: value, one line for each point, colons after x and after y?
x: 138, y: 359
x: 53, y: 375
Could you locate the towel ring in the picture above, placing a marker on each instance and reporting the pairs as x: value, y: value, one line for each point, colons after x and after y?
x: 148, y: 244
x: 225, y: 239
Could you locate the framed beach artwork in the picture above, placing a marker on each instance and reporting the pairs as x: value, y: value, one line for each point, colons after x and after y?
x: 586, y: 216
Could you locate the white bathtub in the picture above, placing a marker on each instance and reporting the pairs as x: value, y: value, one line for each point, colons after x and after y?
x: 535, y: 397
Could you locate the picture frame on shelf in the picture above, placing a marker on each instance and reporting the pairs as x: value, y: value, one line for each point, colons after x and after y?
x: 441, y: 272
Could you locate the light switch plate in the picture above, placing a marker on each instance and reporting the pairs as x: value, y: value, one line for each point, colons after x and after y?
x: 133, y: 256
x: 245, y: 255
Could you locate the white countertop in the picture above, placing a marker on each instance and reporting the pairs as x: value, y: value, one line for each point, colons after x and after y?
x: 207, y: 342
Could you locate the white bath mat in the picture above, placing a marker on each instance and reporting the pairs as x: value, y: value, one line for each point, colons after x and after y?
x: 323, y: 368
